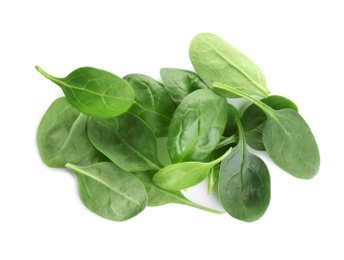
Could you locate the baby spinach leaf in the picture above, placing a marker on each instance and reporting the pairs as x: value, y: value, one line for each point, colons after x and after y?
x: 183, y: 175
x: 179, y: 83
x: 215, y: 60
x: 62, y: 136
x: 244, y: 183
x: 287, y: 138
x: 253, y: 119
x: 126, y: 140
x: 95, y: 92
x: 197, y: 126
x: 158, y: 196
x: 152, y: 103
x: 109, y: 191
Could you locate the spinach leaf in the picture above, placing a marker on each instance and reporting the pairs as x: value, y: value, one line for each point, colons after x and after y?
x: 287, y: 138
x: 179, y: 83
x: 109, y: 191
x: 215, y: 60
x: 126, y: 140
x: 152, y: 103
x: 62, y: 136
x: 253, y: 119
x: 95, y: 92
x: 97, y: 157
x: 244, y: 183
x: 158, y: 196
x: 197, y: 126
x: 183, y: 175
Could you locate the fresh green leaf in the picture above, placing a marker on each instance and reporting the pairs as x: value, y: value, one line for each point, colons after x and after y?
x: 158, y: 196
x: 197, y: 126
x: 95, y: 92
x: 97, y: 157
x: 152, y: 103
x: 126, y: 140
x: 253, y: 119
x: 183, y: 175
x: 180, y: 83
x: 244, y: 183
x: 287, y: 138
x: 215, y: 60
x: 110, y: 192
x: 62, y: 136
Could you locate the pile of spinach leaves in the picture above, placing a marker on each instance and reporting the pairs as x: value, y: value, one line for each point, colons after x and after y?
x: 111, y: 132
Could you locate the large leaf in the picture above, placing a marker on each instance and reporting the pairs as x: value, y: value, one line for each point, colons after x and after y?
x: 126, y: 140
x: 152, y: 103
x: 110, y: 192
x: 215, y: 60
x: 197, y: 126
x: 95, y: 92
x: 62, y: 136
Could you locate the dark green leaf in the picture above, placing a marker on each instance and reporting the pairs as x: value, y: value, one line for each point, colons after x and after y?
x: 244, y: 183
x: 287, y: 138
x: 95, y: 92
x: 152, y: 103
x: 197, y: 126
x: 179, y: 83
x: 110, y: 192
x: 215, y: 60
x: 253, y: 119
x: 62, y: 136
x: 126, y: 140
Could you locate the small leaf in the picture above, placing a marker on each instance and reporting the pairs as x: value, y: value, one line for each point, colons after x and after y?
x: 62, y: 136
x: 110, y: 192
x: 95, y: 92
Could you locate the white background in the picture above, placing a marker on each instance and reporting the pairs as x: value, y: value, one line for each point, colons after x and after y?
x: 297, y: 44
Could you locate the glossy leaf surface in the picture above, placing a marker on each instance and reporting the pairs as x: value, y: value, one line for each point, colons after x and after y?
x: 179, y: 83
x: 152, y: 103
x: 215, y: 60
x: 110, y: 192
x: 197, y: 126
x: 95, y: 92
x: 287, y: 138
x: 126, y: 140
x: 253, y: 119
x: 244, y: 183
x: 62, y: 136
x: 183, y: 175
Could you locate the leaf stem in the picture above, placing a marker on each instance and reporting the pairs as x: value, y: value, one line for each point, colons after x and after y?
x: 229, y: 140
x: 268, y: 110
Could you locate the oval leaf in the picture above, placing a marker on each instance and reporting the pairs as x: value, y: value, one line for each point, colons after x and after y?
x: 95, y: 92
x: 244, y: 183
x: 126, y: 140
x: 215, y: 60
x: 110, y: 192
x: 253, y: 119
x: 62, y: 136
x: 152, y: 103
x: 197, y: 126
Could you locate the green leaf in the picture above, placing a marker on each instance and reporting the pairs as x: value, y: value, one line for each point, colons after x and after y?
x: 287, y: 138
x: 183, y: 175
x: 180, y: 83
x: 253, y: 119
x: 197, y: 126
x: 244, y: 183
x: 126, y: 140
x: 215, y: 60
x: 62, y: 136
x: 158, y: 196
x: 110, y: 192
x: 95, y: 92
x: 152, y: 103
